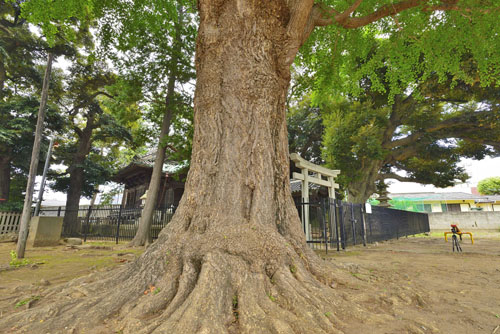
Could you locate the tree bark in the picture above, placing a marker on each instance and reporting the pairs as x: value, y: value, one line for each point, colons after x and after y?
x: 3, y: 76
x: 234, y: 257
x: 30, y: 187
x: 76, y: 179
x: 70, y: 221
x: 361, y: 189
x: 4, y: 178
x: 142, y: 236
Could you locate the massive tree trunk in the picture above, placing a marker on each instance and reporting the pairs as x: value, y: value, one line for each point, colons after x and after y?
x: 4, y: 177
x: 234, y: 257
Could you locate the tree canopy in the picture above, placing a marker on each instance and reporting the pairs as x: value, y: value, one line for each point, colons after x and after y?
x: 412, y: 140
x: 412, y: 40
x: 489, y: 186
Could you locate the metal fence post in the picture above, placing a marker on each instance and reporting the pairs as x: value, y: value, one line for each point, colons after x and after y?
x: 59, y: 212
x: 341, y: 222
x: 336, y: 216
x: 322, y: 220
x: 353, y: 224
x: 86, y: 226
x: 118, y: 225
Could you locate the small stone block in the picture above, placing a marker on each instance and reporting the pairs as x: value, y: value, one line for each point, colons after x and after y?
x: 74, y: 241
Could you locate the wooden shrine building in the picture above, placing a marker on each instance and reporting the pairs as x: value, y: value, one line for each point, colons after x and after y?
x: 136, y: 177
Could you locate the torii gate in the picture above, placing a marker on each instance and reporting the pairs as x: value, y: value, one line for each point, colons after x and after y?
x: 320, y: 173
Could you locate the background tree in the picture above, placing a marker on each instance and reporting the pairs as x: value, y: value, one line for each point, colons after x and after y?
x: 91, y: 120
x: 236, y: 235
x: 489, y: 186
x: 17, y: 125
x: 21, y: 53
x: 305, y: 131
x: 160, y: 55
x: 412, y: 139
x: 56, y: 34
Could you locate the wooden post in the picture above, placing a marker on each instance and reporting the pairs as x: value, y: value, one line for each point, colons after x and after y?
x: 26, y: 216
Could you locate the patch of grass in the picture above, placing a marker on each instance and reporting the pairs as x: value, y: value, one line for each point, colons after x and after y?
x: 271, y: 297
x: 156, y: 291
x: 235, y: 302
x: 328, y: 314
x: 26, y: 301
x: 102, y: 243
x: 332, y: 253
x: 293, y: 269
x: 235, y: 308
x: 15, y: 262
x: 427, y: 235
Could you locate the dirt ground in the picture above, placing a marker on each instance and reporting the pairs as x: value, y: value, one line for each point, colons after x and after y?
x: 418, y: 285
x: 21, y: 287
x: 411, y: 285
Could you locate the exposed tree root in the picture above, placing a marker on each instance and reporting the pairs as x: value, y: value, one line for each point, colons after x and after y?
x: 191, y: 289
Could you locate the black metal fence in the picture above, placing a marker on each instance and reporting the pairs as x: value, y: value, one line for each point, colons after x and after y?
x: 332, y: 224
x: 336, y: 224
x: 112, y: 222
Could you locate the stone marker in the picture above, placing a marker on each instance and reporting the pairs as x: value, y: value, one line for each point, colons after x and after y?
x: 45, y: 231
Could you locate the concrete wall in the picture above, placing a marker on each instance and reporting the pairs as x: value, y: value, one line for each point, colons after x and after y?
x: 471, y: 220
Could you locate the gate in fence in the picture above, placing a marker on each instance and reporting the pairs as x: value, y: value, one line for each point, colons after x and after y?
x: 336, y: 224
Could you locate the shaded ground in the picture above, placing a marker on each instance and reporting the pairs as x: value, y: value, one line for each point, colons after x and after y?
x: 21, y: 287
x: 411, y: 285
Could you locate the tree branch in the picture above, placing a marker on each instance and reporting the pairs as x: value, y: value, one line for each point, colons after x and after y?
x: 325, y: 15
x: 345, y: 15
x: 462, y: 121
x: 90, y: 99
x: 395, y: 176
x: 78, y: 131
x: 401, y: 153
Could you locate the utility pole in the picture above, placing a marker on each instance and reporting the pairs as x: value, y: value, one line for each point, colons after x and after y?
x: 30, y: 187
x: 44, y: 175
